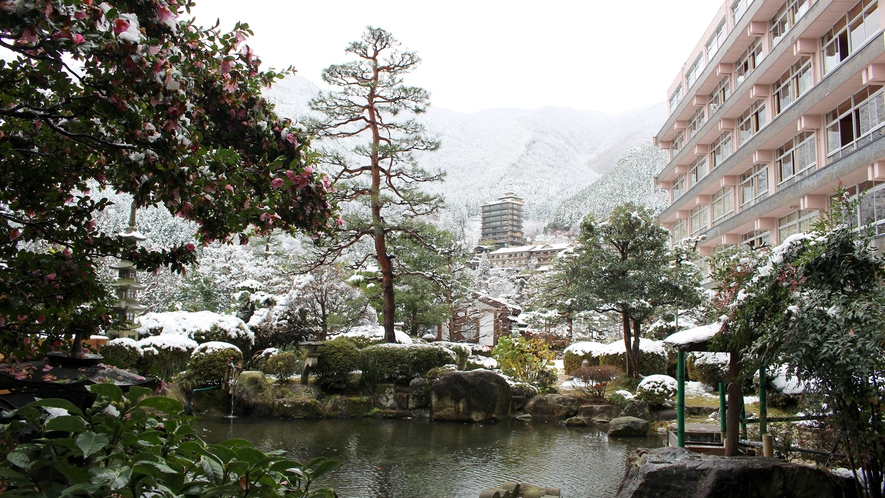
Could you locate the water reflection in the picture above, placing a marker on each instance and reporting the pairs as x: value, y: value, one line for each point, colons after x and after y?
x: 419, y: 458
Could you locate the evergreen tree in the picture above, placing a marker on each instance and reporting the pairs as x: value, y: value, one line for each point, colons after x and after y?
x: 625, y: 265
x: 378, y: 176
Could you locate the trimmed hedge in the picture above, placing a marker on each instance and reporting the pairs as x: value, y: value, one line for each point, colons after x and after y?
x: 244, y: 339
x: 337, y: 359
x: 649, y: 363
x: 122, y: 353
x: 572, y: 361
x: 708, y: 368
x: 209, y: 365
x: 283, y: 364
x: 400, y: 363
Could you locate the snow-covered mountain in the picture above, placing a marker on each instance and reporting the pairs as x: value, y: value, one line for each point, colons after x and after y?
x: 545, y: 155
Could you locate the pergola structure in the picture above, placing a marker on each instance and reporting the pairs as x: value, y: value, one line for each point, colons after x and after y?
x: 697, y: 339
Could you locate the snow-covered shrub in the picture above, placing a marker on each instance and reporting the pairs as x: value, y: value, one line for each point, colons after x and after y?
x: 121, y: 353
x: 400, y: 363
x: 202, y: 326
x: 652, y: 356
x: 337, y: 359
x: 461, y: 350
x: 283, y: 364
x: 618, y: 399
x: 475, y: 362
x: 259, y: 358
x: 437, y: 372
x: 574, y: 355
x: 210, y: 363
x: 657, y: 390
x: 592, y: 380
x: 165, y: 355
x: 707, y: 368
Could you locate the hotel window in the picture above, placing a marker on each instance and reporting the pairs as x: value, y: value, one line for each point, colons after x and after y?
x: 720, y: 149
x: 786, y: 17
x: 850, y: 33
x: 871, y: 210
x: 716, y: 41
x: 796, y: 156
x: 698, y: 220
x: 680, y: 230
x: 739, y: 8
x: 697, y: 170
x: 756, y: 239
x: 751, y: 121
x: 678, y: 142
x: 792, y: 84
x: 854, y: 121
x: 796, y: 222
x: 694, y: 72
x: 675, y: 99
x: 748, y: 61
x: 720, y: 94
x: 697, y: 120
x: 723, y: 203
x: 678, y: 187
x: 754, y: 185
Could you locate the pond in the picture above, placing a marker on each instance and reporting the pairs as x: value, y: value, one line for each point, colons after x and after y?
x: 420, y: 458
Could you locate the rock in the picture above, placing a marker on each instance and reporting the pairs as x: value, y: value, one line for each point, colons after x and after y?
x: 385, y: 397
x: 637, y: 408
x: 599, y: 412
x: 334, y: 407
x: 519, y: 490
x: 253, y: 394
x: 628, y: 427
x: 419, y: 393
x: 576, y: 422
x: 476, y: 395
x: 359, y: 406
x: 297, y: 408
x: 677, y: 472
x: 553, y: 405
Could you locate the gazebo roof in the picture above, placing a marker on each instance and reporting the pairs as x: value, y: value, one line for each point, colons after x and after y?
x: 693, y: 339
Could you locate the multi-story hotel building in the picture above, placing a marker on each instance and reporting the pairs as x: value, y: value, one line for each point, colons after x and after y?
x: 502, y: 221
x: 778, y: 102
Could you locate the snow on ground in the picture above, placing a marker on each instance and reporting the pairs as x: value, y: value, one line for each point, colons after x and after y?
x: 375, y: 332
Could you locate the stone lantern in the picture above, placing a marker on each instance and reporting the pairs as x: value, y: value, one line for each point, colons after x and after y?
x: 126, y: 286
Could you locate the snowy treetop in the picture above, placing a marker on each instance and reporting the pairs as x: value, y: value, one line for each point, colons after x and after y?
x: 212, y: 346
x: 598, y: 349
x: 374, y: 332
x: 692, y: 336
x: 187, y: 324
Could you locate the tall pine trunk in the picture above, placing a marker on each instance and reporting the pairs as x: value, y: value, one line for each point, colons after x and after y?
x: 634, y: 354
x: 625, y: 324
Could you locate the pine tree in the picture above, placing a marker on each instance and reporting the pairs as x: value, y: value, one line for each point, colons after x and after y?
x: 378, y: 177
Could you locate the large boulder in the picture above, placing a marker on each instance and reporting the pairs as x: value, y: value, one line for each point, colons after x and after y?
x: 628, y: 427
x: 419, y: 393
x: 599, y: 413
x: 553, y: 405
x: 253, y: 394
x: 637, y: 408
x: 475, y: 396
x: 297, y: 408
x: 677, y: 472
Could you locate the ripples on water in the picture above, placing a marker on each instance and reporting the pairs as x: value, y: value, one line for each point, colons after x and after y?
x: 419, y: 458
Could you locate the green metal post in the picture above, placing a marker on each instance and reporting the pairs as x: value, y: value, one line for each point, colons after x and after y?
x: 743, y: 419
x: 763, y: 402
x: 722, y: 408
x: 680, y: 399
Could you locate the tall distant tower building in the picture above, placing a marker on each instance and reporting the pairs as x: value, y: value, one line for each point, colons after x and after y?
x: 502, y: 221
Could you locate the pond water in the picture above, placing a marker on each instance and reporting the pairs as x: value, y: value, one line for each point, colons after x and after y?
x: 420, y: 458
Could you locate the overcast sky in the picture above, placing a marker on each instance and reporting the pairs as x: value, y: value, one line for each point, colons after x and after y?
x: 603, y: 55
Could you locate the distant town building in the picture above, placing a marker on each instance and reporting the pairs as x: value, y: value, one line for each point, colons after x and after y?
x: 540, y: 255
x: 502, y: 221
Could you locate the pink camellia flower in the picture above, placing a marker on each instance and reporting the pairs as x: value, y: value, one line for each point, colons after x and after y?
x: 121, y: 26
x: 77, y: 38
x: 229, y: 187
x: 340, y: 221
x: 80, y: 15
x: 165, y: 14
x: 277, y: 183
x: 14, y: 234
x: 30, y: 35
x: 50, y: 277
x: 292, y: 139
x: 190, y: 246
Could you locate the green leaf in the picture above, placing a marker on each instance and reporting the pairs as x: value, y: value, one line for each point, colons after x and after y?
x: 66, y: 423
x: 90, y: 442
x: 57, y: 403
x: 71, y: 472
x: 136, y: 392
x: 18, y: 459
x: 212, y: 469
x: 323, y: 468
x: 111, y: 391
x: 167, y: 405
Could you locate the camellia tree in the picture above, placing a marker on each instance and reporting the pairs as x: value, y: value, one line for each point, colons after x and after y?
x: 816, y: 304
x: 132, y: 95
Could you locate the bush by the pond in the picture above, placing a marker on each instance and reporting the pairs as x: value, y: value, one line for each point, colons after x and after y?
x: 657, y: 390
x: 526, y: 360
x: 400, y: 363
x: 618, y: 399
x: 164, y: 356
x: 337, y: 359
x: 95, y: 454
x: 652, y: 356
x: 210, y: 363
x: 283, y: 364
x: 122, y: 353
x: 708, y: 368
x: 574, y: 355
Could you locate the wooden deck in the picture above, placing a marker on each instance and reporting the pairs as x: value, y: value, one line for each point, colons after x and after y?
x: 700, y: 438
